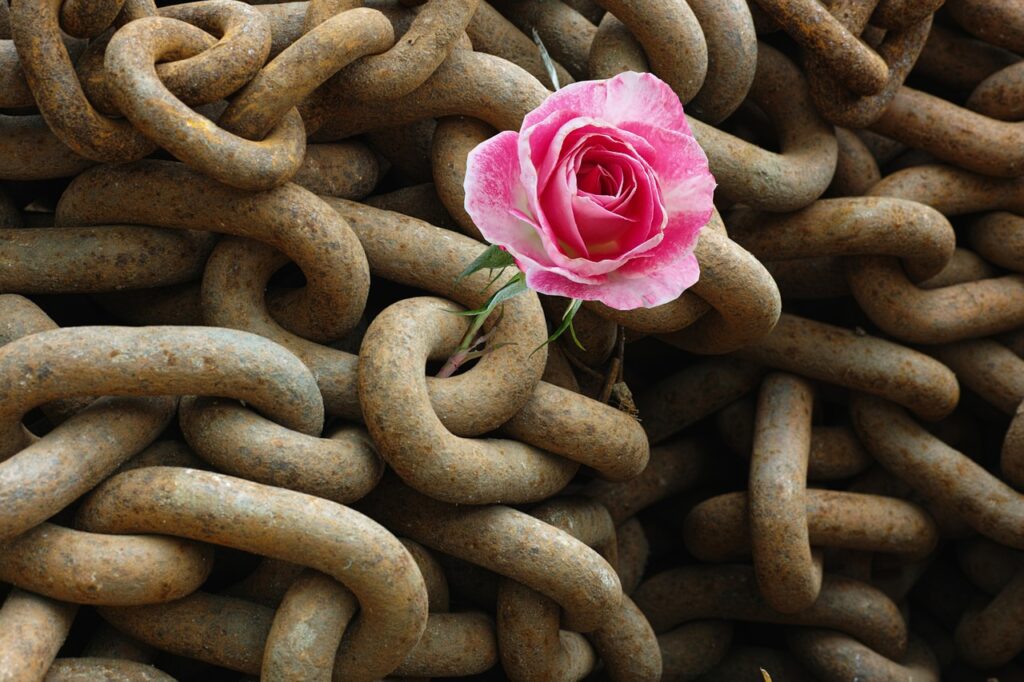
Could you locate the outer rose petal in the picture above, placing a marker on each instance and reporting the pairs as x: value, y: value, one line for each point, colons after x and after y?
x: 493, y: 191
x: 617, y: 290
x: 681, y: 166
x: 680, y: 237
x: 630, y: 96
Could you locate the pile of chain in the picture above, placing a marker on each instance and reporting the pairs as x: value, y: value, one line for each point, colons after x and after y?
x: 230, y: 241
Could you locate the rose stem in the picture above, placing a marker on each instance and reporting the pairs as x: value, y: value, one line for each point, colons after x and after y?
x: 615, y: 367
x: 461, y: 354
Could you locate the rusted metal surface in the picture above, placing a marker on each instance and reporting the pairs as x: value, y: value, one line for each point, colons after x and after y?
x: 289, y: 218
x: 834, y: 656
x: 91, y: 568
x: 681, y: 595
x: 307, y: 629
x: 464, y: 84
x: 838, y: 99
x: 531, y: 642
x: 494, y: 34
x: 566, y: 33
x: 717, y: 529
x: 58, y: 93
x: 229, y: 343
x: 999, y: 95
x: 672, y: 40
x: 922, y: 237
x: 998, y: 22
x: 304, y: 66
x: 845, y: 358
x: 803, y: 168
x: 410, y: 62
x: 289, y: 525
x: 815, y: 28
x: 397, y: 409
x: 32, y: 630
x: 941, y: 473
x: 108, y: 669
x: 729, y: 32
x: 143, y: 98
x: 835, y: 454
x: 497, y: 538
x: 788, y: 574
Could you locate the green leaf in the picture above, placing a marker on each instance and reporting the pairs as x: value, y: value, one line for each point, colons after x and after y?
x: 513, y: 287
x: 570, y: 313
x: 493, y: 258
x: 567, y: 316
x: 493, y: 280
x: 572, y: 333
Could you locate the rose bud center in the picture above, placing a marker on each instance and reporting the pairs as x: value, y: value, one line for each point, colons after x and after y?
x: 615, y: 198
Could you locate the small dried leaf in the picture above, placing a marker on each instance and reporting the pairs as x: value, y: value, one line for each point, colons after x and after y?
x: 549, y: 64
x: 623, y: 397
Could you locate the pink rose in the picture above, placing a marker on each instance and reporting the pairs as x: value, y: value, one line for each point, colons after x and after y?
x: 600, y: 195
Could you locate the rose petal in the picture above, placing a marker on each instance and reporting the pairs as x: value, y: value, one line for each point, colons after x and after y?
x: 557, y: 220
x: 528, y: 265
x: 604, y: 232
x: 616, y: 187
x: 549, y: 193
x: 496, y: 201
x: 606, y: 168
x: 681, y: 166
x: 637, y: 214
x: 644, y: 97
x: 544, y: 146
x: 656, y: 287
x: 629, y: 96
x: 592, y: 179
x: 540, y: 154
x: 679, y: 238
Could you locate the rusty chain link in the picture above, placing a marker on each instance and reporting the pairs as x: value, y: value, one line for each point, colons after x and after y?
x: 231, y: 236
